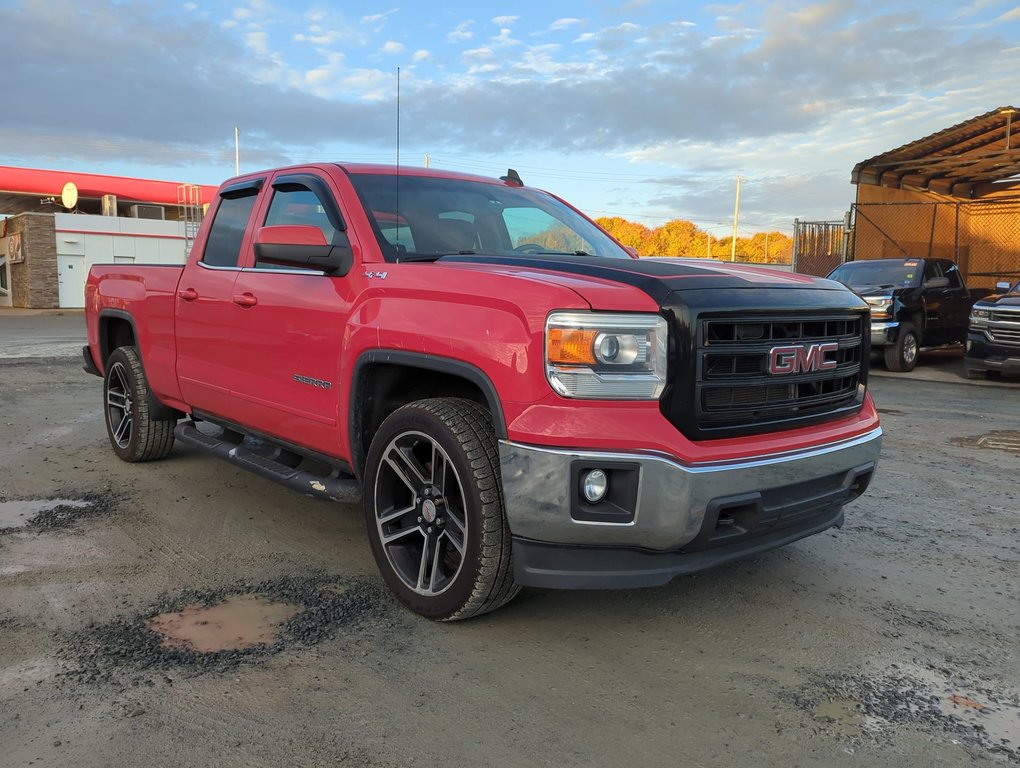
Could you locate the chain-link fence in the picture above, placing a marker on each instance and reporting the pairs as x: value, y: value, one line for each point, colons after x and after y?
x: 983, y: 237
x: 818, y: 246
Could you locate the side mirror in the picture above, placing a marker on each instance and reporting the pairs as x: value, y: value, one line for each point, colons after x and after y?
x: 937, y: 282
x: 1003, y: 286
x: 303, y: 246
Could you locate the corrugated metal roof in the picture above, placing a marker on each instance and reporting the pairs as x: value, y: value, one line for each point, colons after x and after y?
x: 965, y: 160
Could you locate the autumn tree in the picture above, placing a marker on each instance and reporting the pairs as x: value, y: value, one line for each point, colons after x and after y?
x: 627, y: 232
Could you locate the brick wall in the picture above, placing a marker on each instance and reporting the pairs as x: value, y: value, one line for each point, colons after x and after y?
x: 34, y: 281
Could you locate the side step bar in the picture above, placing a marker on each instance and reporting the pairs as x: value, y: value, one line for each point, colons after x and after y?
x: 346, y: 490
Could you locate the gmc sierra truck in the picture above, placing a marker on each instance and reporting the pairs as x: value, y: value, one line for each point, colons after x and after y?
x: 513, y: 396
x: 914, y: 303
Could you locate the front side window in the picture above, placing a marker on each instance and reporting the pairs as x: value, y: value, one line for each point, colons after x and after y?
x: 223, y: 246
x: 299, y: 206
x: 955, y: 281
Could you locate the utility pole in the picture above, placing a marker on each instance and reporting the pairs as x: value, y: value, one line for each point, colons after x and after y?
x: 766, y: 246
x: 736, y: 214
x: 427, y: 159
x: 237, y: 152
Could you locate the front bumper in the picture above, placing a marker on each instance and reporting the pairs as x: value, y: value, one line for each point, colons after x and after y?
x: 884, y: 334
x: 985, y: 355
x: 673, y: 518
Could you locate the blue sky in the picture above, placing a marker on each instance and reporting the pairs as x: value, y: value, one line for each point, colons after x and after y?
x: 643, y: 109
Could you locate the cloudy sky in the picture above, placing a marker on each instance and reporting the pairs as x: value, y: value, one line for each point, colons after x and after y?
x: 646, y: 109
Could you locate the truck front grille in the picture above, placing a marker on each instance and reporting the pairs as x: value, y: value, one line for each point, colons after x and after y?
x: 1004, y: 334
x: 735, y: 391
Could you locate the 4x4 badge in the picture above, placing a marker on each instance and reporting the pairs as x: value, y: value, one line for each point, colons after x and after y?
x: 802, y: 358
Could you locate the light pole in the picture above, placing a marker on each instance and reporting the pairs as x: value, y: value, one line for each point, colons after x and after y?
x: 736, y: 214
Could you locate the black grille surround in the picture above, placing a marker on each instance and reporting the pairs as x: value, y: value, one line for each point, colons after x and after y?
x: 720, y: 384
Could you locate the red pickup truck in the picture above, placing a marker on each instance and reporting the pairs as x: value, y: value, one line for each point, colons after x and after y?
x: 516, y: 398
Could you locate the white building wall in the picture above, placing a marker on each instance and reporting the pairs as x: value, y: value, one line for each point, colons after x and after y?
x: 83, y: 241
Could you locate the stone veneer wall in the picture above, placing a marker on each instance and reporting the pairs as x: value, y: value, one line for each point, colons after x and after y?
x: 34, y: 283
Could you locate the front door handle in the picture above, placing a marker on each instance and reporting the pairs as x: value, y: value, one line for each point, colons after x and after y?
x: 188, y: 294
x: 245, y: 299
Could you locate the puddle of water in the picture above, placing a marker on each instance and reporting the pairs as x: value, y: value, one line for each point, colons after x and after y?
x: 239, y: 622
x: 998, y: 719
x: 1000, y: 440
x: 14, y: 514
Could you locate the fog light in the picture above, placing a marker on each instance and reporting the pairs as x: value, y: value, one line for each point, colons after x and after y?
x: 594, y: 485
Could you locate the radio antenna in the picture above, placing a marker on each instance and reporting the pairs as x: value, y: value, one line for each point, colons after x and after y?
x: 398, y: 166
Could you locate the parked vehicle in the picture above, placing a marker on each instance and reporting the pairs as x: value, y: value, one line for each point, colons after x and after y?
x: 993, y: 340
x: 515, y: 398
x: 914, y: 303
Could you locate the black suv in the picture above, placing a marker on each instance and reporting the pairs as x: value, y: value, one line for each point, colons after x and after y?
x: 914, y: 303
x: 993, y: 340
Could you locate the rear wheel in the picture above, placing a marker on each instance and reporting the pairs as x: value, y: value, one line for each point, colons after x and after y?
x: 134, y: 434
x: 434, y: 510
x: 902, y: 356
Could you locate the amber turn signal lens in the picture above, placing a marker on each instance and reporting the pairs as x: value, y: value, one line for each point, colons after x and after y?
x: 571, y: 346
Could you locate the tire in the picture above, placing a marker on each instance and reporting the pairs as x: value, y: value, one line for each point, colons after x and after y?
x: 902, y: 356
x: 434, y: 510
x: 134, y: 434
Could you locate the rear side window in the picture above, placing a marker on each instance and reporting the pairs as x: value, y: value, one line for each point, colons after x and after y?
x: 223, y: 246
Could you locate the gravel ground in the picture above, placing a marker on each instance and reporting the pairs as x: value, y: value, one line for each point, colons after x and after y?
x: 894, y: 641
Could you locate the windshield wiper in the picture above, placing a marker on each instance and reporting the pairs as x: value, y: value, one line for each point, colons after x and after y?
x: 562, y: 253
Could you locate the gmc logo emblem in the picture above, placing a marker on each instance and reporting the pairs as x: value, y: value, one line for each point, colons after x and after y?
x: 801, y: 358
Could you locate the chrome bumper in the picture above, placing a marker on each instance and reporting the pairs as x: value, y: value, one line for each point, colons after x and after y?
x: 672, y: 499
x: 884, y: 334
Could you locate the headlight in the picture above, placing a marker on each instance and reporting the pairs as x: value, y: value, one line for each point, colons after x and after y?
x: 602, y: 356
x: 880, y: 305
x: 979, y: 316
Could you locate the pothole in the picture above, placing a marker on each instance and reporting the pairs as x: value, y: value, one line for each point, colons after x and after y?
x: 1000, y: 440
x: 21, y: 512
x: 218, y: 629
x: 975, y: 714
x: 240, y: 621
x: 42, y: 514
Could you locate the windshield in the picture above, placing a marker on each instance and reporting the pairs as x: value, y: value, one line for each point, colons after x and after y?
x: 429, y: 217
x: 890, y: 274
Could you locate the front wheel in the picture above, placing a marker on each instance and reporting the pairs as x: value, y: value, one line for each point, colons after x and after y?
x: 902, y: 356
x: 134, y: 434
x: 434, y: 510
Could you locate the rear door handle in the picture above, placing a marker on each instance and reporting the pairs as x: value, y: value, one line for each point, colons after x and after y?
x: 188, y: 294
x: 245, y: 299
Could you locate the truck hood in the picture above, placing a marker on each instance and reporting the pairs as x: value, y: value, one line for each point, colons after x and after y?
x: 590, y: 277
x: 1000, y: 300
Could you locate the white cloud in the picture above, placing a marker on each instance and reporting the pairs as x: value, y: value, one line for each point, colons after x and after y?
x: 379, y: 16
x: 563, y: 24
x: 503, y: 39
x: 190, y: 6
x: 258, y: 42
x: 586, y: 37
x: 243, y: 13
x: 392, y: 47
x: 504, y: 21
x: 421, y: 55
x: 461, y: 32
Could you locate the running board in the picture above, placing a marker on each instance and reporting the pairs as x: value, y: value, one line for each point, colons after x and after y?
x: 346, y: 490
